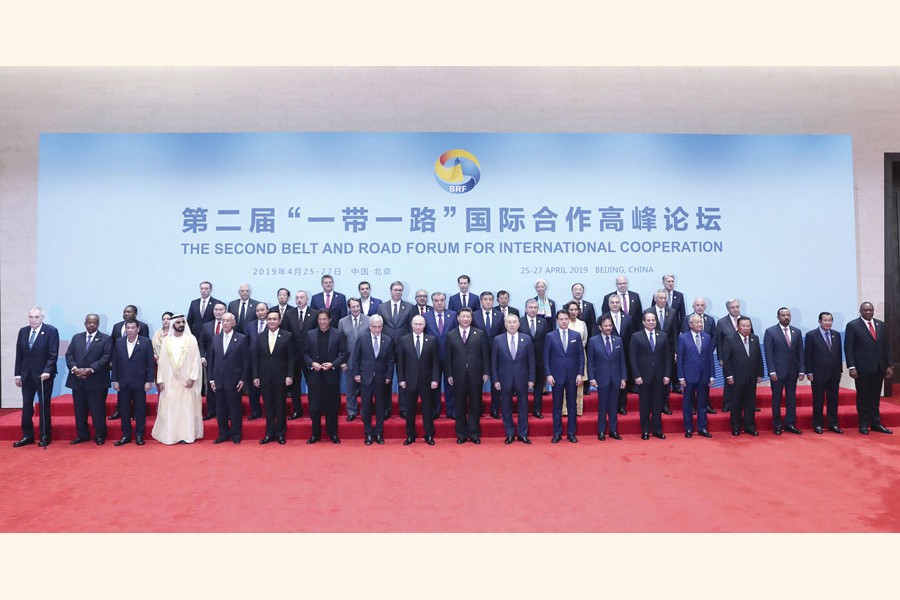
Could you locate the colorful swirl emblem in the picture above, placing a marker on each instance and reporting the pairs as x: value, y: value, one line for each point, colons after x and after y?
x: 457, y: 171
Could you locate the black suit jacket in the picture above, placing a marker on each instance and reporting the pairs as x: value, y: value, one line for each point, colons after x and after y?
x: 497, y: 326
x: 287, y: 321
x: 821, y: 362
x: 649, y: 365
x: 234, y: 307
x: 540, y: 333
x: 41, y: 357
x: 194, y: 320
x: 276, y: 365
x: 116, y: 332
x: 228, y: 366
x: 364, y: 362
x: 745, y: 369
x: 137, y: 369
x: 300, y: 328
x: 863, y: 353
x: 338, y: 308
x: 473, y: 357
x: 97, y: 357
x: 396, y: 329
x: 635, y: 307
x: 335, y: 353
x: 418, y: 372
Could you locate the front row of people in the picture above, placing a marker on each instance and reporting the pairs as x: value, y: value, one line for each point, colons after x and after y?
x: 468, y: 358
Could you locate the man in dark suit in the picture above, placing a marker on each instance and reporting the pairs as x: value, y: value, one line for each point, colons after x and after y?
x: 396, y: 314
x: 273, y: 372
x: 726, y: 327
x: 253, y: 330
x: 651, y: 363
x: 208, y: 332
x: 823, y: 368
x: 503, y: 305
x: 622, y: 327
x: 87, y: 358
x: 463, y: 298
x: 129, y: 313
x: 299, y: 321
x: 667, y: 323
x: 607, y: 372
x: 132, y: 377
x: 585, y: 309
x: 37, y: 349
x: 563, y: 366
x: 229, y: 372
x: 200, y: 311
x: 421, y: 306
x: 283, y: 304
x: 323, y: 356
x: 783, y: 346
x: 868, y: 362
x: 674, y: 300
x: 334, y: 302
x: 709, y: 322
x: 512, y: 369
x: 743, y: 369
x: 368, y: 304
x: 630, y: 301
x: 490, y: 320
x: 419, y: 373
x: 696, y: 372
x: 536, y: 328
x: 243, y: 308
x: 468, y: 363
x: 438, y: 323
x: 371, y: 366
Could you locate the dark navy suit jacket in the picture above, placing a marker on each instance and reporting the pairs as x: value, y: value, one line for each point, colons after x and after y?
x: 41, y: 357
x: 512, y: 371
x: 338, y: 308
x: 454, y: 302
x: 564, y: 364
x: 605, y: 368
x: 820, y: 361
x: 228, y: 366
x: 781, y: 360
x: 136, y: 370
x: 693, y: 366
x: 431, y: 328
x: 364, y: 362
x: 97, y: 357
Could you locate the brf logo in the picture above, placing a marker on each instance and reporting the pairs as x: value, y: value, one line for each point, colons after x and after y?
x: 457, y: 171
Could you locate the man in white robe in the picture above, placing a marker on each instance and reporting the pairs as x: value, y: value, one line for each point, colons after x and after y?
x: 179, y: 417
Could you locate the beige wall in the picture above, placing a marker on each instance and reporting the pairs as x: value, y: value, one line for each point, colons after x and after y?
x: 864, y: 103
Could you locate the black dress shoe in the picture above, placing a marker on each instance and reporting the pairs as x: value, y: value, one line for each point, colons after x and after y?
x: 209, y: 416
x: 253, y: 417
x: 379, y: 439
x: 476, y: 440
x: 312, y: 440
x: 294, y: 416
x: 757, y: 409
x: 403, y: 414
x: 78, y: 440
x: 281, y: 440
x: 572, y: 439
x: 666, y: 410
x: 537, y: 414
x: 615, y: 435
x: 114, y: 416
x: 817, y: 429
x: 236, y: 440
x: 45, y: 441
x: 555, y: 439
x: 368, y: 440
x: 265, y: 440
x: 792, y: 429
x: 23, y: 442
x: 864, y: 430
x: 622, y: 411
x: 752, y: 432
x: 645, y: 436
x: 688, y: 433
x: 387, y: 415
x: 659, y: 435
x: 408, y: 441
x: 508, y: 440
x: 835, y: 429
x: 524, y: 440
x: 351, y: 418
x: 335, y: 439
x: 460, y: 440
x: 123, y: 441
x: 217, y: 441
x: 882, y: 429
x: 726, y: 408
x: 601, y: 437
x: 705, y: 433
x: 735, y: 432
x: 778, y: 431
x: 100, y: 441
x: 429, y: 440
x: 495, y: 414
x: 711, y: 411
x: 139, y: 440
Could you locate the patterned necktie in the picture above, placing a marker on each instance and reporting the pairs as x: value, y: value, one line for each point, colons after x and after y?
x: 418, y: 346
x: 31, y: 338
x: 624, y: 303
x: 787, y: 336
x: 375, y: 346
x: 533, y: 331
x: 828, y: 339
x: 87, y: 342
x: 747, y: 346
x: 260, y: 326
x: 464, y: 335
x: 697, y: 341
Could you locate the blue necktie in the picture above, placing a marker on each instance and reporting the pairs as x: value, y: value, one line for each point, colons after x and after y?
x: 31, y: 338
x: 652, y: 342
x: 608, y: 347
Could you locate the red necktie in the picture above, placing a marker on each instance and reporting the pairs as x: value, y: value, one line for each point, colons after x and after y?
x: 872, y: 331
x: 218, y: 327
x: 328, y: 301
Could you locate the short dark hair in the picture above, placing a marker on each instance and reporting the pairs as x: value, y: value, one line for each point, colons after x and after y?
x: 823, y: 314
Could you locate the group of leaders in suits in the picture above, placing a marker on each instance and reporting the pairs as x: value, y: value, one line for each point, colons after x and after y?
x: 459, y: 344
